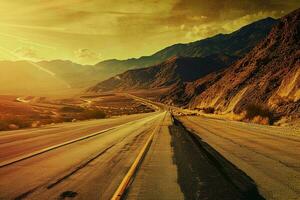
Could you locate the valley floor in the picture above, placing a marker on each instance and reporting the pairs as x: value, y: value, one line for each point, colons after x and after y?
x: 31, y: 112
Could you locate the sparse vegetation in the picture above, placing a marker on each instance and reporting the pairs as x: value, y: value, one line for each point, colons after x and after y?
x: 93, y: 114
x: 41, y: 111
x: 72, y: 109
x: 209, y: 110
x: 259, y: 114
x: 68, y: 194
x: 3, y: 125
x: 11, y: 123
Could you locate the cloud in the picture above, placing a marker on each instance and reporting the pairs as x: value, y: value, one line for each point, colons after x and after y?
x: 87, y: 55
x: 123, y: 29
x: 200, y: 31
x: 216, y: 10
x: 27, y: 53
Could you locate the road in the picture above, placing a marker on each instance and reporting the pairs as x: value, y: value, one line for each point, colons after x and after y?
x: 90, y: 168
x: 269, y: 155
x: 150, y: 156
x: 16, y: 144
x: 178, y: 166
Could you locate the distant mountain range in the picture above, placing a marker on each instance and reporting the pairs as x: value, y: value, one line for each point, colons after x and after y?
x: 232, y: 46
x: 260, y: 67
x: 23, y: 77
x: 46, y: 77
x: 235, y: 44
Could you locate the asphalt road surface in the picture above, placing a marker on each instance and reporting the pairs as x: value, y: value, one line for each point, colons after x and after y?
x: 179, y: 166
x: 14, y: 144
x: 187, y: 158
x: 91, y: 168
x: 269, y: 155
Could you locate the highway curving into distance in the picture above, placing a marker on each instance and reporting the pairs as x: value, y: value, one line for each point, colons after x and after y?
x: 149, y: 156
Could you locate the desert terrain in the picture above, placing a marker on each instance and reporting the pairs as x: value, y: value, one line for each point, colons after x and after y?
x: 31, y: 111
x: 150, y: 100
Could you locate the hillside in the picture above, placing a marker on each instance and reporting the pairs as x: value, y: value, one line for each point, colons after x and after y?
x: 268, y: 76
x: 21, y: 77
x: 237, y: 43
x: 173, y: 72
x: 78, y: 76
x: 46, y: 77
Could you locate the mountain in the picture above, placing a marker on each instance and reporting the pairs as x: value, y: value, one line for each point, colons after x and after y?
x: 22, y: 77
x: 269, y: 75
x: 230, y: 46
x: 172, y: 72
x: 78, y: 77
x: 46, y: 77
x: 237, y: 44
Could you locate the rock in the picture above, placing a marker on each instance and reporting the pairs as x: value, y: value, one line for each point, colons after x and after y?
x: 13, y: 127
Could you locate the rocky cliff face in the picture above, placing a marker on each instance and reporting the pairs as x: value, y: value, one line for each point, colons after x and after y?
x: 269, y: 75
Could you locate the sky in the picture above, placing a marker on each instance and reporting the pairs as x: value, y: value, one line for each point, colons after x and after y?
x: 89, y: 31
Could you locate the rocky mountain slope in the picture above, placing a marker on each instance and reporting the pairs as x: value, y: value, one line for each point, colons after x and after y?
x: 173, y: 72
x: 231, y: 46
x: 237, y: 43
x: 269, y: 76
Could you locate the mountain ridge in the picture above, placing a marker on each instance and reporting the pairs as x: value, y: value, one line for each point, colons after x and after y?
x: 173, y: 71
x: 215, y: 43
x: 79, y: 77
x: 252, y: 34
x: 269, y: 75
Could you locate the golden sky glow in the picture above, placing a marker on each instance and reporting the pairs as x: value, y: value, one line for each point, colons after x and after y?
x: 88, y: 31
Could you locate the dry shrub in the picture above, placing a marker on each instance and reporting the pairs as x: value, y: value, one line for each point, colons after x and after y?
x: 97, y: 114
x: 21, y: 123
x: 36, y: 124
x: 3, y: 125
x: 209, y: 110
x: 75, y: 112
x: 238, y: 117
x: 14, y: 123
x: 92, y: 114
x: 261, y: 120
x: 71, y: 109
x: 13, y: 127
x: 259, y: 114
